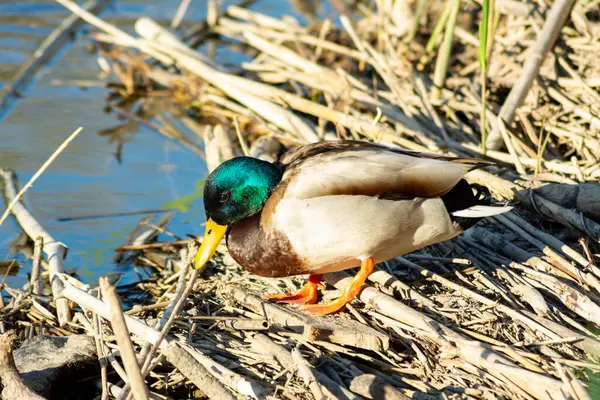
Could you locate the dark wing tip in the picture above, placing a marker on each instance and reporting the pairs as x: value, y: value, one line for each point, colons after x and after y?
x: 474, y: 162
x: 302, y: 153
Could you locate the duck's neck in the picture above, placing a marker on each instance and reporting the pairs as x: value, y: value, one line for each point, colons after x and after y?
x: 263, y: 179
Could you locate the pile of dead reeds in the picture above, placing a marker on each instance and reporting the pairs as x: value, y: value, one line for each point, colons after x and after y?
x: 508, y: 310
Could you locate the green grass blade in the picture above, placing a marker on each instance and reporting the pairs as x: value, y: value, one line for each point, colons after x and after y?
x: 483, y: 41
x: 439, y: 26
x: 445, y: 52
x: 483, y: 34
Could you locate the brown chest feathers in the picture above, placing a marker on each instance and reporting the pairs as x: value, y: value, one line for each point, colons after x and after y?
x: 268, y: 254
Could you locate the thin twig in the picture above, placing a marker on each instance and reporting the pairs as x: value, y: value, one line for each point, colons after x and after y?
x: 241, y: 139
x: 546, y: 38
x: 180, y: 14
x: 35, y: 284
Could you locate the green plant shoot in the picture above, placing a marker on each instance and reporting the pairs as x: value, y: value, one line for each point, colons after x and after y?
x: 483, y: 41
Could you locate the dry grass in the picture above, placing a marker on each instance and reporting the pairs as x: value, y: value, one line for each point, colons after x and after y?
x: 508, y: 310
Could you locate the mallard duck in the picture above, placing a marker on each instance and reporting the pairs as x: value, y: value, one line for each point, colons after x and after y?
x: 335, y: 205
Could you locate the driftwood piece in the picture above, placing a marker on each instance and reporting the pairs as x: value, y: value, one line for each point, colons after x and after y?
x: 334, y: 330
x: 13, y: 386
x: 42, y: 359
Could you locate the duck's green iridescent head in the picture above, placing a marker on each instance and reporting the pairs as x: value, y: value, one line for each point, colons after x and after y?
x: 237, y: 189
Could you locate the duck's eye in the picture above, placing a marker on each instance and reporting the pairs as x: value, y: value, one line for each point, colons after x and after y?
x: 225, y: 196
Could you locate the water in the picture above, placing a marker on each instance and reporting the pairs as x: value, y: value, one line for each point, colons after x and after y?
x: 87, y: 178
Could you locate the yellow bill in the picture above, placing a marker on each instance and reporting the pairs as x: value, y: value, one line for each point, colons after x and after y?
x: 212, y: 237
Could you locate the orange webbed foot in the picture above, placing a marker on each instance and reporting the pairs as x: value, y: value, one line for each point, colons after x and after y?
x: 350, y: 291
x: 306, y: 295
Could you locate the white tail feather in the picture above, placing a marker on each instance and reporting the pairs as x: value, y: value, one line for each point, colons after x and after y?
x: 481, y: 211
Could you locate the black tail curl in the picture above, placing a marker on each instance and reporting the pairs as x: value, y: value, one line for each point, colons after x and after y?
x: 463, y: 196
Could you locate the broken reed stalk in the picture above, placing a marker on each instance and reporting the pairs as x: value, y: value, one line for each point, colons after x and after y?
x: 168, y: 317
x: 99, y: 23
x: 35, y: 285
x: 268, y: 110
x: 512, y: 191
x: 100, y: 351
x: 117, y: 319
x: 165, y: 322
x: 331, y: 389
x: 55, y: 251
x: 506, y: 136
x: 171, y: 312
x: 180, y: 14
x: 240, y: 137
x: 533, y: 325
x: 306, y: 373
x: 555, y: 20
x: 257, y: 96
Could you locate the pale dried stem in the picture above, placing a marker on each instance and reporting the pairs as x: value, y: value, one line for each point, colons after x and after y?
x: 117, y: 319
x: 546, y: 38
x: 55, y: 251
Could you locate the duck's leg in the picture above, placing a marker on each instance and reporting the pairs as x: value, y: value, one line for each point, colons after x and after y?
x: 350, y: 291
x: 306, y: 295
